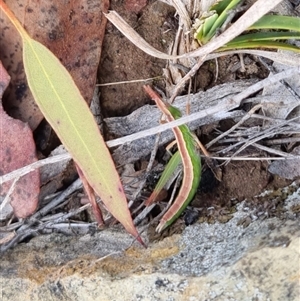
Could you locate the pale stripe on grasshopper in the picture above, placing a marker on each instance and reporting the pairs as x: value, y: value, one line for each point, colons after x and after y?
x: 191, y: 160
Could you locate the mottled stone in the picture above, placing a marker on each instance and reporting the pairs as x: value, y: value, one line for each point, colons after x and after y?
x: 206, y: 262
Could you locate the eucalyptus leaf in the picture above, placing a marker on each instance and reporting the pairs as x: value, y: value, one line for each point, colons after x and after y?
x: 63, y: 106
x: 68, y: 114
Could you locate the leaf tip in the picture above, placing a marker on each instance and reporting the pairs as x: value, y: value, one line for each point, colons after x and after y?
x: 139, y: 239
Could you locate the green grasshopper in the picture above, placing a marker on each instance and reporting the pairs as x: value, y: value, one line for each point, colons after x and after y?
x: 190, y: 157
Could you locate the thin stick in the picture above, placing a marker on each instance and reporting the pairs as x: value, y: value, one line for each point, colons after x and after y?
x: 246, y: 117
x: 255, y: 158
x: 25, y: 232
x: 225, y: 105
x: 187, y: 77
x: 283, y: 141
x: 54, y: 203
x: 130, y: 81
x: 272, y: 150
x: 7, y: 197
x: 143, y: 214
x: 148, y: 169
x: 76, y: 185
x: 217, y: 69
x: 33, y: 166
x: 259, y: 136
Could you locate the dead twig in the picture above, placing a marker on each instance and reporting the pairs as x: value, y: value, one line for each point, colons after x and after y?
x: 246, y: 117
x: 53, y: 204
x: 130, y: 81
x: 148, y: 209
x: 148, y: 169
x: 7, y: 197
x: 259, y: 136
x: 218, y: 109
x: 187, y: 77
x: 32, y: 229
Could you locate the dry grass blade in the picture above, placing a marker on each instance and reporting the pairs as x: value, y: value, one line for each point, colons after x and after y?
x: 247, y: 116
x: 28, y: 230
x: 271, y: 131
x: 286, y: 58
x: 182, y: 11
x: 133, y: 36
x: 253, y: 14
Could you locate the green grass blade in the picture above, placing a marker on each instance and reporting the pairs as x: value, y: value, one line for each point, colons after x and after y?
x: 265, y: 36
x: 220, y: 6
x: 165, y: 177
x: 205, y: 28
x: 209, y: 23
x: 261, y: 44
x: 277, y: 22
x: 221, y: 19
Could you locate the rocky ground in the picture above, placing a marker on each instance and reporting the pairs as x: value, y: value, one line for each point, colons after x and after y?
x: 229, y: 261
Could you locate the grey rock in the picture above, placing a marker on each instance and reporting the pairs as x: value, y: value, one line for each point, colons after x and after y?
x: 206, y: 262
